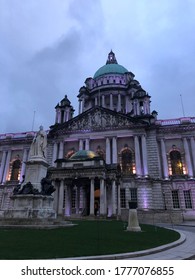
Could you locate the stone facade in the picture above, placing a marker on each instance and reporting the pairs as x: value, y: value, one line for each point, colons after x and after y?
x: 138, y: 158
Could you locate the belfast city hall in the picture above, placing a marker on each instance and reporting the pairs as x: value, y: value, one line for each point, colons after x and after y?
x: 113, y: 155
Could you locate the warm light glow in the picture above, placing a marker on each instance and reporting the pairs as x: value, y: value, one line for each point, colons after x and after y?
x: 179, y: 165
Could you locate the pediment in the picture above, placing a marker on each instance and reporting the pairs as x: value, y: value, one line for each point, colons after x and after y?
x: 100, y: 118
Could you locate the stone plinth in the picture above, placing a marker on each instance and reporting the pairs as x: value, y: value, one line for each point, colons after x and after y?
x: 36, y: 169
x: 133, y: 224
x: 31, y: 206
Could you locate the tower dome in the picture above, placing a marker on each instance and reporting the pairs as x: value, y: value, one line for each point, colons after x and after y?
x: 111, y: 67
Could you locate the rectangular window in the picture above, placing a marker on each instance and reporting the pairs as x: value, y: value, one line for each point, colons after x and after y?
x: 175, y: 199
x: 187, y: 199
x: 133, y: 193
x: 123, y: 198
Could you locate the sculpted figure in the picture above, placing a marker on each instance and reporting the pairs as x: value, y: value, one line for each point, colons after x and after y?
x: 39, y: 144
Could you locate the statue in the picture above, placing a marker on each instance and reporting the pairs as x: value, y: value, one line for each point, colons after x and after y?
x: 39, y: 144
x: 25, y: 189
x: 47, y: 187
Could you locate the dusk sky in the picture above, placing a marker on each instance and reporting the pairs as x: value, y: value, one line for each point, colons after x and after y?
x: 49, y: 47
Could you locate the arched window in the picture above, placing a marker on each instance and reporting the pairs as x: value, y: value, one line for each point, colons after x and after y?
x: 176, y: 162
x: 126, y: 160
x: 16, y: 165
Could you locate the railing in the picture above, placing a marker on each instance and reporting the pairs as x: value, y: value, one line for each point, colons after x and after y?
x: 184, y: 120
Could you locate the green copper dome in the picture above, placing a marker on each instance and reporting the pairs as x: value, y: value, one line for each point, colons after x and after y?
x: 111, y: 67
x: 83, y: 155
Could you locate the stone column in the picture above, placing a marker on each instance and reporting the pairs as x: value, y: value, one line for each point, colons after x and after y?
x: 24, y: 159
x: 61, y: 198
x: 111, y: 101
x: 80, y: 144
x: 92, y: 197
x: 96, y: 101
x: 80, y: 106
x: 83, y: 103
x: 108, y: 151
x: 6, y: 170
x: 59, y: 116
x: 114, y: 150
x: 54, y: 155
x: 127, y: 104
x: 187, y: 157
x: 193, y: 150
x: 144, y: 155
x: 164, y: 157
x: 113, y: 197
x: 61, y: 150
x: 87, y: 144
x: 2, y: 166
x: 103, y: 101
x: 67, y: 201
x: 102, y: 198
x: 119, y: 103
x: 77, y: 199
x: 137, y: 156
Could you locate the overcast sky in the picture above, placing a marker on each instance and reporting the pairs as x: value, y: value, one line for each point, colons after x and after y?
x: 49, y: 47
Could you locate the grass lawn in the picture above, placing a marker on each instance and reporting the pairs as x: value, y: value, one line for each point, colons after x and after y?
x: 85, y: 239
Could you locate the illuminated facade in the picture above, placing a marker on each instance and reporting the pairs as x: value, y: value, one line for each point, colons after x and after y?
x: 115, y: 151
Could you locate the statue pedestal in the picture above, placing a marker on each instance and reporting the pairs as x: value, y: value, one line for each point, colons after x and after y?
x: 36, y: 170
x: 133, y: 224
x: 33, y: 199
x: 30, y: 206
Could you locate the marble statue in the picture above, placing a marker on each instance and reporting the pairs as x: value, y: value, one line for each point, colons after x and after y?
x: 39, y: 144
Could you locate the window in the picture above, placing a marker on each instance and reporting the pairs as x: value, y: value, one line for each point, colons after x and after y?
x: 187, y: 199
x: 15, y: 170
x: 123, y: 198
x: 133, y: 198
x: 175, y: 199
x: 176, y: 163
x: 133, y: 193
x: 127, y: 160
